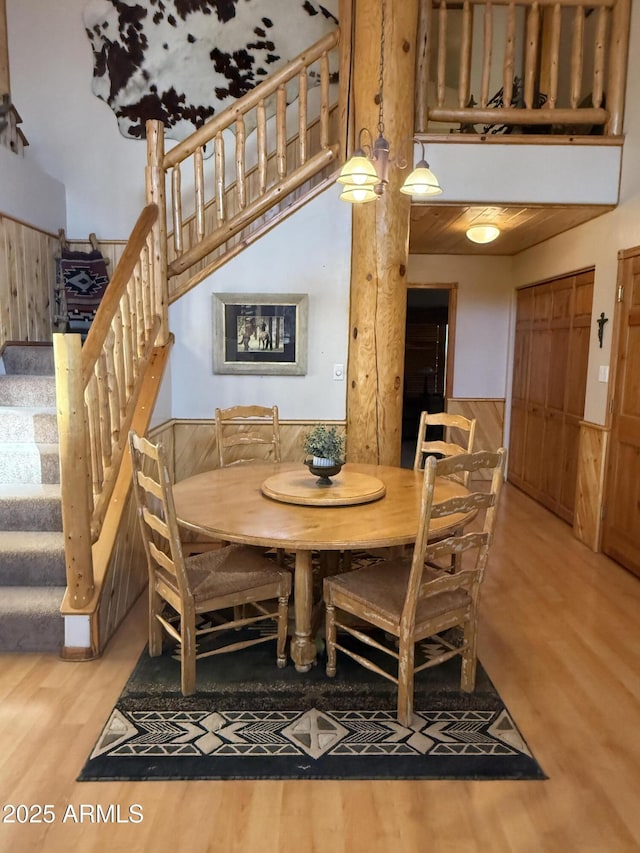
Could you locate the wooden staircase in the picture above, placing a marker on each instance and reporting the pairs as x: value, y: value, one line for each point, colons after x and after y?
x: 74, y: 468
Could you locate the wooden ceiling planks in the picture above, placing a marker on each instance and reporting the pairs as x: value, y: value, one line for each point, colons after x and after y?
x: 439, y: 229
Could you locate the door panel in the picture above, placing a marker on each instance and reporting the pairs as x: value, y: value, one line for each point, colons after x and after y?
x: 621, y: 526
x: 549, y: 380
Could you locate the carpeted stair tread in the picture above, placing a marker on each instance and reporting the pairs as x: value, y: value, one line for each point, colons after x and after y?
x: 28, y: 358
x: 30, y: 619
x: 28, y: 423
x: 23, y: 390
x: 35, y: 557
x: 29, y: 462
x: 30, y: 506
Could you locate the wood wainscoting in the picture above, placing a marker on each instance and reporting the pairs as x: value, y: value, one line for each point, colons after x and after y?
x: 195, y: 449
x: 592, y: 454
x: 489, y: 414
x: 27, y: 278
x: 28, y: 275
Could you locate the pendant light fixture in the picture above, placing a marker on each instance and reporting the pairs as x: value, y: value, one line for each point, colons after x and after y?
x: 365, y: 175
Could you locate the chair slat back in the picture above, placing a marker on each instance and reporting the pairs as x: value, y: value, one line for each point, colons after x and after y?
x: 458, y: 542
x: 239, y: 429
x: 459, y: 438
x: 156, y: 511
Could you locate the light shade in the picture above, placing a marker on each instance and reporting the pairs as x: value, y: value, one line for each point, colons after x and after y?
x: 421, y: 182
x: 358, y: 194
x: 483, y: 233
x: 358, y: 170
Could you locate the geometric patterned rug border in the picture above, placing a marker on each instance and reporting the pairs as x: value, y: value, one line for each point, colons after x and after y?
x: 250, y: 720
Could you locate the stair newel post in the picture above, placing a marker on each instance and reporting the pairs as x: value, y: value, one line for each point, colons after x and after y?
x: 75, y: 476
x: 156, y: 194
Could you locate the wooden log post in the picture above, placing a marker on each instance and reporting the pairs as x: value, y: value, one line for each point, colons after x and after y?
x: 618, y: 61
x: 380, y: 236
x: 75, y: 484
x: 156, y: 194
x: 5, y: 82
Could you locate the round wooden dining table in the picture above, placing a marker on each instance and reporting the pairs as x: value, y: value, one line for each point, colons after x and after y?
x: 230, y: 504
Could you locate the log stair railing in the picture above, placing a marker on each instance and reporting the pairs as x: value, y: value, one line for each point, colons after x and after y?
x: 98, y: 387
x: 220, y: 203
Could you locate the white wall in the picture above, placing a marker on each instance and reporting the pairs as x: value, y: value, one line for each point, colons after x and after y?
x: 310, y: 254
x: 72, y: 135
x: 29, y: 194
x: 482, y: 319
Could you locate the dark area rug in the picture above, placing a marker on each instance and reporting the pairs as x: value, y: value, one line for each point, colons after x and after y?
x: 251, y: 720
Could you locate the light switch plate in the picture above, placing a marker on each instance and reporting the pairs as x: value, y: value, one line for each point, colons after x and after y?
x: 338, y: 371
x: 603, y: 373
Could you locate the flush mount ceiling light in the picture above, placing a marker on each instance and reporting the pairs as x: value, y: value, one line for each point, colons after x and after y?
x: 364, y: 175
x: 483, y: 233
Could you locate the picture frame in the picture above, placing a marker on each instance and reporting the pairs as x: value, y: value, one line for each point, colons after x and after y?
x: 260, y: 333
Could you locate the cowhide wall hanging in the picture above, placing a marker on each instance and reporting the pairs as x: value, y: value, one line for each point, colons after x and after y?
x: 181, y: 61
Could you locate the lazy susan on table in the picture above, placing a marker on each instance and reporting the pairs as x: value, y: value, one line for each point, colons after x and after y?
x: 346, y: 489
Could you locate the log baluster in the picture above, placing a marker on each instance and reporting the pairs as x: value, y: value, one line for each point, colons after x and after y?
x: 198, y: 179
x: 531, y: 55
x: 487, y: 54
x: 281, y: 132
x: 176, y: 206
x: 464, y: 90
x: 324, y: 100
x: 221, y: 198
x: 508, y: 67
x: 302, y: 116
x: 241, y: 185
x: 261, y: 136
x: 442, y: 54
x: 599, y: 58
x: 577, y: 52
x: 425, y: 32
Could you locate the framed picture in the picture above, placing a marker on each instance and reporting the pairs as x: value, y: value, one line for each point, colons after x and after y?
x: 261, y: 333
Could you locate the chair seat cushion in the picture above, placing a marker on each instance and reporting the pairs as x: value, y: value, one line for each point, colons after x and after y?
x: 231, y: 569
x: 383, y: 587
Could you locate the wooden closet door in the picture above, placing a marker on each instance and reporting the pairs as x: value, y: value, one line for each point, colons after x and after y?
x: 621, y: 525
x: 549, y: 381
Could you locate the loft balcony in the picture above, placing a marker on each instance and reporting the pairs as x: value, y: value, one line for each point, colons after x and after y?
x: 521, y: 105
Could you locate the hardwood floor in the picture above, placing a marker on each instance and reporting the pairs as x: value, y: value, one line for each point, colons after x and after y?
x: 559, y: 636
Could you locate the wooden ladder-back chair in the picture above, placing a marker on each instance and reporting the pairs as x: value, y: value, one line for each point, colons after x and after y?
x: 410, y: 600
x: 240, y: 429
x: 464, y: 430
x: 212, y: 582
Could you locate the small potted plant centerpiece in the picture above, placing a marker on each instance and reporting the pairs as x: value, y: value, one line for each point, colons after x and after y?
x: 325, y: 446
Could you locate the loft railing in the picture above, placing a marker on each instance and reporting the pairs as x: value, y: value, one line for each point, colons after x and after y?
x: 223, y: 178
x: 498, y: 65
x: 97, y: 387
